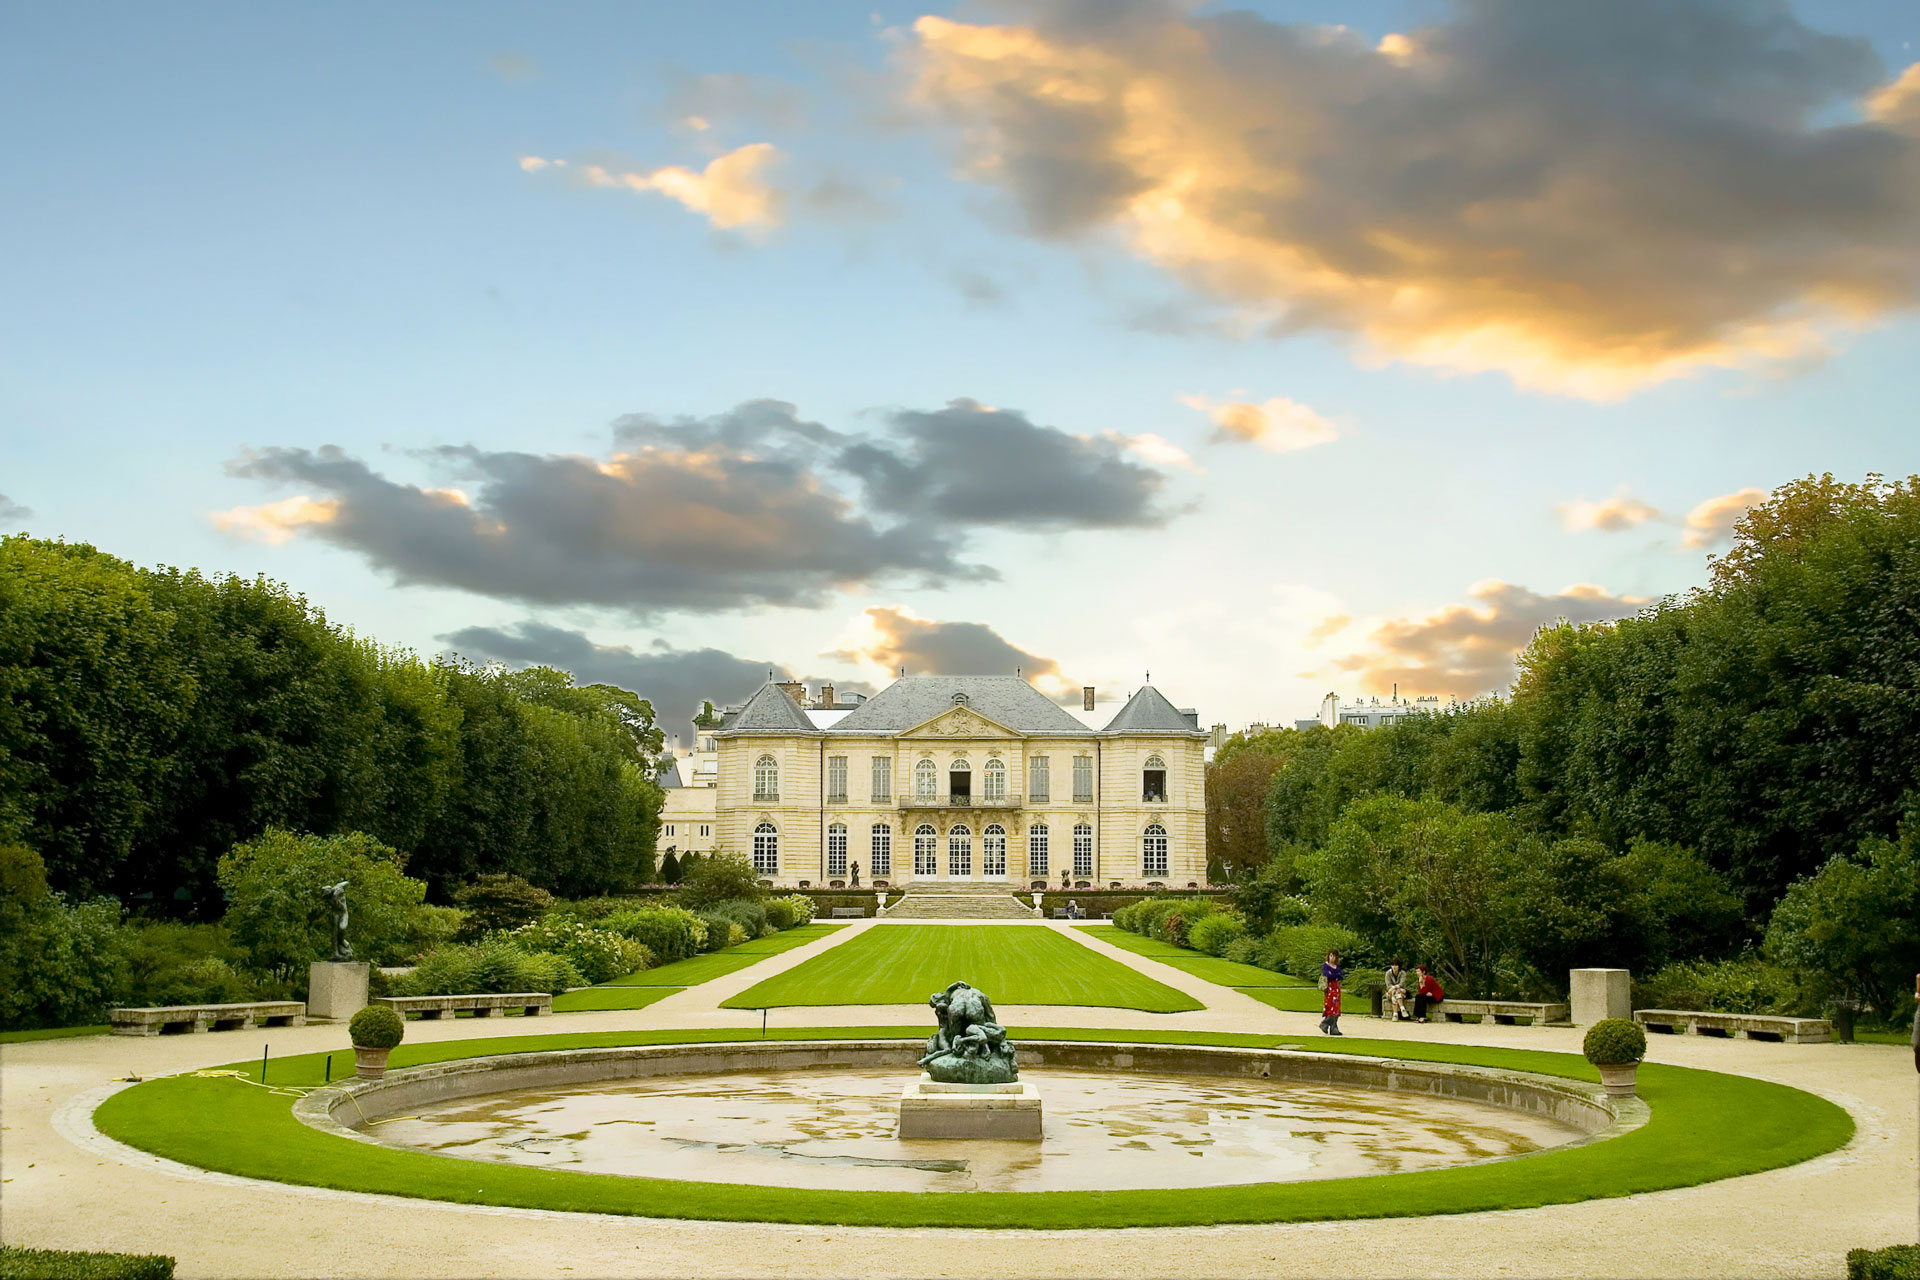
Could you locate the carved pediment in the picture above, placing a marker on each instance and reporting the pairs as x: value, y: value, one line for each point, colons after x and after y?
x: 960, y: 722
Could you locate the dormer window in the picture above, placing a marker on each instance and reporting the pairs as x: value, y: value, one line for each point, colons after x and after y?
x: 960, y: 699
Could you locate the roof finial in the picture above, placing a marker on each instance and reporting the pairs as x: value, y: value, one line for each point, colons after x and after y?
x: 769, y: 675
x: 1149, y: 677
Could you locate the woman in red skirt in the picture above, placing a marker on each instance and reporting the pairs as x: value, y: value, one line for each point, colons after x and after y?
x: 1330, y: 975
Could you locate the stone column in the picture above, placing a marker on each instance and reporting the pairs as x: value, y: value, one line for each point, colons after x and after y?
x: 1599, y: 993
x: 336, y: 989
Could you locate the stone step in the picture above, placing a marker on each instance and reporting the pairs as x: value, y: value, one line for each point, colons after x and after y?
x: 952, y: 906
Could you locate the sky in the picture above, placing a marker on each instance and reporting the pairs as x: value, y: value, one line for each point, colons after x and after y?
x: 1270, y: 350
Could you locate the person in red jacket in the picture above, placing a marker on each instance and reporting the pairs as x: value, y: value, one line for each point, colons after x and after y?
x: 1427, y: 994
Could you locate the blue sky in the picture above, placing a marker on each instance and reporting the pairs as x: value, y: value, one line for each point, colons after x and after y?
x: 250, y: 232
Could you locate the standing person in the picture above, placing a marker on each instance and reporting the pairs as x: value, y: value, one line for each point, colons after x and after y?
x: 1330, y: 975
x: 1393, y: 1000
x: 1427, y: 994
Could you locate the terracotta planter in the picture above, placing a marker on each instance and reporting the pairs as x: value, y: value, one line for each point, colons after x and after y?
x: 1618, y: 1079
x: 371, y: 1064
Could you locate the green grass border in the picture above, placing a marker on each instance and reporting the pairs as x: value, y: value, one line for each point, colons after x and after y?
x: 52, y: 1033
x: 1018, y: 964
x: 1224, y: 973
x: 1703, y: 1126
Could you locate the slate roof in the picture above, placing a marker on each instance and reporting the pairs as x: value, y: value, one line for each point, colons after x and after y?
x: 769, y: 710
x: 1148, y: 711
x: 914, y: 700
x: 669, y: 775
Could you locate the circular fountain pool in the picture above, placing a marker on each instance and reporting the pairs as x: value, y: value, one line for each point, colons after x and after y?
x: 833, y: 1128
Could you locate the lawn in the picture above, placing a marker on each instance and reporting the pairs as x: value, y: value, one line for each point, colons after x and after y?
x: 1703, y: 1126
x: 1306, y: 999
x: 1206, y: 968
x: 1013, y: 964
x: 638, y: 990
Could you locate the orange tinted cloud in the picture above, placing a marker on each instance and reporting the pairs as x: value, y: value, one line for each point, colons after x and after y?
x: 1612, y: 515
x: 734, y: 191
x: 1279, y: 424
x: 1713, y: 520
x: 1552, y: 192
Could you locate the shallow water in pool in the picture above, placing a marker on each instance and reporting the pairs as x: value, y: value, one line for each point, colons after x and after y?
x: 1103, y: 1131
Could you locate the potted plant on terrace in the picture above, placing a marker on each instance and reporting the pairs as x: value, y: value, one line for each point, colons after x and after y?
x: 375, y: 1030
x: 1616, y: 1046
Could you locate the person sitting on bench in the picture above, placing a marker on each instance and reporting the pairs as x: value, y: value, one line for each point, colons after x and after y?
x: 1427, y: 994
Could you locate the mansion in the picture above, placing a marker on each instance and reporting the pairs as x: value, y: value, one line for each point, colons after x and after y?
x: 953, y: 779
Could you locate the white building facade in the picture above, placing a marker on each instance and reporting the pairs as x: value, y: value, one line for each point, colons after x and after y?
x: 961, y: 779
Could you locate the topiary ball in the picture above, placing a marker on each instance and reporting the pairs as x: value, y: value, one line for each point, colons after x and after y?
x: 376, y: 1027
x: 1614, y: 1042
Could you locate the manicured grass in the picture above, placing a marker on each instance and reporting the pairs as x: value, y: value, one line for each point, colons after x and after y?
x: 904, y: 964
x: 638, y: 990
x: 1306, y: 999
x: 595, y: 999
x: 51, y: 1033
x: 1207, y: 968
x: 62, y: 1264
x: 1703, y: 1126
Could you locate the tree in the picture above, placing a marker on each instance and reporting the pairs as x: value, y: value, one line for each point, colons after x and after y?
x: 724, y: 877
x: 1237, y: 812
x: 277, y: 910
x: 61, y: 964
x: 670, y: 868
x: 1852, y: 930
x: 497, y: 901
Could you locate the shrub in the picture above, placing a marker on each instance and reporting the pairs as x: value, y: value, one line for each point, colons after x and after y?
x: 670, y: 933
x: 493, y: 967
x: 60, y: 1264
x: 724, y: 877
x: 1214, y: 933
x: 1174, y: 924
x: 1747, y: 984
x: 446, y: 972
x: 498, y: 902
x: 278, y: 911
x: 600, y: 955
x: 789, y: 912
x: 1851, y: 930
x: 546, y: 972
x: 722, y: 932
x: 428, y: 927
x: 174, y: 963
x: 1299, y: 950
x: 61, y: 964
x: 1242, y: 950
x: 1895, y: 1262
x: 377, y: 1027
x: 1614, y: 1042
x: 750, y: 915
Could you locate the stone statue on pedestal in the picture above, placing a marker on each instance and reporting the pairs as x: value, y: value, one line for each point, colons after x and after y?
x: 970, y: 1047
x: 337, y: 895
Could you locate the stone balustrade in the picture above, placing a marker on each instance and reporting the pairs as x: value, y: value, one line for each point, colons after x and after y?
x: 152, y: 1020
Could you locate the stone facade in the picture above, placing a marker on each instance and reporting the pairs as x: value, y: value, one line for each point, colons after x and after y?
x: 956, y: 796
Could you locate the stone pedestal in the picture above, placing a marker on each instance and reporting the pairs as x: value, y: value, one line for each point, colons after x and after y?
x: 336, y: 989
x: 930, y: 1109
x: 1599, y: 993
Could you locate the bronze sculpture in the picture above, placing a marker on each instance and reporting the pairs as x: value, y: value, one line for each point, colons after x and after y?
x: 970, y: 1047
x: 337, y: 894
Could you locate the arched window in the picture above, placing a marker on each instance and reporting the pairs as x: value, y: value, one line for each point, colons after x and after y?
x: 960, y: 853
x: 993, y: 852
x: 926, y: 780
x: 1037, y: 849
x: 1153, y: 851
x: 880, y: 863
x: 926, y: 850
x: 960, y: 783
x: 766, y: 780
x: 766, y: 849
x: 1082, y: 849
x: 837, y: 849
x: 996, y: 780
x: 1153, y: 781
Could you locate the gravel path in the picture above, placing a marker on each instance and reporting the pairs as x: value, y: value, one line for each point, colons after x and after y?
x: 63, y: 1187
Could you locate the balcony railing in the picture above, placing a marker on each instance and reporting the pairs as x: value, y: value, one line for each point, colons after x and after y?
x: 957, y: 802
x: 766, y: 797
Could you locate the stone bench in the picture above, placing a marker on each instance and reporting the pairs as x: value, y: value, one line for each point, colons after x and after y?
x: 849, y: 913
x: 154, y: 1019
x: 1507, y: 1013
x: 531, y: 1003
x: 1754, y: 1026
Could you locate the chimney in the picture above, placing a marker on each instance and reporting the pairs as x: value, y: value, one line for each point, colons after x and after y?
x: 1086, y: 697
x: 826, y: 697
x: 795, y: 690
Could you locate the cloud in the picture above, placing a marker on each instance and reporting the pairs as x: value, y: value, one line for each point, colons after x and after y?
x: 1586, y: 198
x: 1468, y: 650
x: 886, y: 639
x: 514, y: 67
x: 12, y: 512
x: 1712, y: 521
x: 675, y: 681
x: 978, y: 288
x: 735, y: 100
x: 1279, y: 424
x: 1613, y: 515
x: 733, y: 192
x: 980, y: 465
x: 752, y: 507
